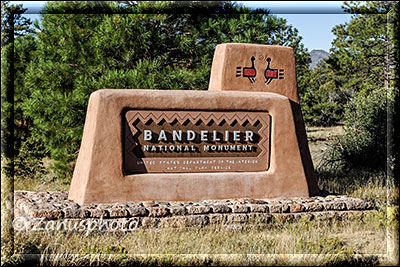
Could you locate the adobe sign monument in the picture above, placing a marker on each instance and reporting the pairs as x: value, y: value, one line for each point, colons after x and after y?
x: 243, y: 138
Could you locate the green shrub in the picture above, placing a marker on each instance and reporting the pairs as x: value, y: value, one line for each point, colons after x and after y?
x: 28, y: 162
x: 364, y: 145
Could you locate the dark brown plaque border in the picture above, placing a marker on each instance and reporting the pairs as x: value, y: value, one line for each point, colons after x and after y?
x: 264, y: 155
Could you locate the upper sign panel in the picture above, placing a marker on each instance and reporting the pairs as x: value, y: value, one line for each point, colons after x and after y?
x: 253, y: 67
x: 195, y: 141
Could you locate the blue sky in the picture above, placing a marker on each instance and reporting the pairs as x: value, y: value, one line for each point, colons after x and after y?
x: 313, y: 19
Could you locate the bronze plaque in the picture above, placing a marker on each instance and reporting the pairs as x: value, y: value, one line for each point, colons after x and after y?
x: 195, y: 141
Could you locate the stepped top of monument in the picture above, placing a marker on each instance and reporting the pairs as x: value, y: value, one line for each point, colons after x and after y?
x: 254, y: 67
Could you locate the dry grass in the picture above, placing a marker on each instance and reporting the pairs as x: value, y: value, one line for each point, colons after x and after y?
x: 324, y: 132
x: 30, y: 184
x: 280, y: 244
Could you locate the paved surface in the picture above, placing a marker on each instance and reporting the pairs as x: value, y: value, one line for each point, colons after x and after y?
x: 49, y: 206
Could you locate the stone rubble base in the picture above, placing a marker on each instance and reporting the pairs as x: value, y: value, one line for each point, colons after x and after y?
x: 55, y: 206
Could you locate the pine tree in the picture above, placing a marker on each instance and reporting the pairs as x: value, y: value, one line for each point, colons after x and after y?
x: 362, y: 47
x: 13, y: 24
x: 322, y: 102
x: 13, y: 27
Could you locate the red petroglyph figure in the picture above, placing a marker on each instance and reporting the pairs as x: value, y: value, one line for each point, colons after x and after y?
x: 271, y: 74
x: 249, y: 72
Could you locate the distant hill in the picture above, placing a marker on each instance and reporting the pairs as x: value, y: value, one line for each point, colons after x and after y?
x: 317, y: 56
